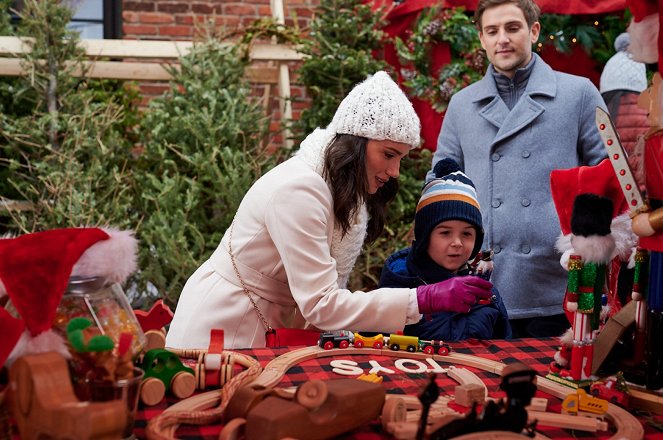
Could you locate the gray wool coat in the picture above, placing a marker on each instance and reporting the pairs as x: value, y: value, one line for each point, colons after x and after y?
x: 509, y: 155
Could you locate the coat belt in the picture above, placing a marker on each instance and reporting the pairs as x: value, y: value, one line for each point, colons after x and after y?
x: 258, y: 283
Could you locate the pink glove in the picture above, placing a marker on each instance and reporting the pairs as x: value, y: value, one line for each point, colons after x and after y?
x: 456, y: 294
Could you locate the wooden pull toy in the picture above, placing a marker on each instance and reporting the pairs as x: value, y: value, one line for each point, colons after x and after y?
x: 43, y: 403
x: 164, y: 371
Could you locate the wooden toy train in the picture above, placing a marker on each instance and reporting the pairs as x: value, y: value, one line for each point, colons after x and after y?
x: 343, y: 339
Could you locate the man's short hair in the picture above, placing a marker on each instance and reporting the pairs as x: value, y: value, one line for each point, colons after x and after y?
x: 530, y: 10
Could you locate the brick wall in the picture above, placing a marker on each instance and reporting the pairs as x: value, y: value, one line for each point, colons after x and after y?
x: 176, y: 20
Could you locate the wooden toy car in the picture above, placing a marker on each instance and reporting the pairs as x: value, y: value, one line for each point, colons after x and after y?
x: 580, y: 401
x: 403, y: 342
x: 338, y: 339
x: 317, y: 410
x: 164, y: 371
x: 432, y: 347
x: 44, y: 405
x: 376, y: 341
x: 612, y: 389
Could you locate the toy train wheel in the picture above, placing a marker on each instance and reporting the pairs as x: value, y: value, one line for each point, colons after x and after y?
x: 344, y: 344
x: 428, y: 349
x: 377, y: 345
x: 394, y: 410
x: 328, y: 345
x: 233, y: 430
x: 443, y: 351
x: 359, y: 344
x: 411, y: 348
x: 312, y: 394
x: 394, y: 347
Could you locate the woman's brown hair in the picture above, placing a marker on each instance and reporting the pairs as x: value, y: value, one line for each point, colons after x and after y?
x: 345, y: 170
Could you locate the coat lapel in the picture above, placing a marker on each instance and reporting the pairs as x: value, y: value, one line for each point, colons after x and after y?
x: 542, y: 81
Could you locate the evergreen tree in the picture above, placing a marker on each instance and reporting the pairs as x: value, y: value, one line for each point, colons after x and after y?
x: 202, y: 151
x: 344, y: 34
x: 65, y: 149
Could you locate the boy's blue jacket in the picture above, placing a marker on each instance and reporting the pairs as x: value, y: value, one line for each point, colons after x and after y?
x: 489, y: 321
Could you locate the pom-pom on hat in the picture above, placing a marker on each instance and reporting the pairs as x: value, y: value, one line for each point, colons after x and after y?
x: 621, y: 72
x: 378, y: 109
x: 592, y: 215
x: 449, y: 196
x: 34, y: 272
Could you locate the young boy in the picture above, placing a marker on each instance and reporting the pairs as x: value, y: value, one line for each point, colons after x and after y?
x: 448, y: 232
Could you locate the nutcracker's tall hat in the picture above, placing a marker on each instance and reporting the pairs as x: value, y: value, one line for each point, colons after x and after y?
x: 599, y: 179
x: 34, y: 272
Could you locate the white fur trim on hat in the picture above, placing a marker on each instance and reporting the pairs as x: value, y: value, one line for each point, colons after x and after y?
x: 113, y: 259
x: 378, y: 109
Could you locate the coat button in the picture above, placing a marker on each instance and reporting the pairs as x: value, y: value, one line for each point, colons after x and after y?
x: 525, y: 249
x: 525, y: 202
x: 495, y: 157
x: 497, y: 249
x: 526, y: 154
x: 496, y: 203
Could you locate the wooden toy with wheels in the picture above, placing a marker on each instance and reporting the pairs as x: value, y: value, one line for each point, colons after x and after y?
x: 321, y: 410
x: 164, y: 371
x: 43, y: 403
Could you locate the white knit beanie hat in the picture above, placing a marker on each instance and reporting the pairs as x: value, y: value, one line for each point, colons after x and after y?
x: 378, y: 109
x: 621, y: 72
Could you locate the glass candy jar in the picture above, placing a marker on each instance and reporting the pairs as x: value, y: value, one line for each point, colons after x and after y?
x: 104, y: 304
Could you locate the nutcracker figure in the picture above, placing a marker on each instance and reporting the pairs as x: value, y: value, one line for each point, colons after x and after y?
x: 595, y: 233
x: 648, y: 225
x: 593, y: 250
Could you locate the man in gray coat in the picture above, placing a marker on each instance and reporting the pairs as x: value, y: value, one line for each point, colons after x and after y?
x: 508, y: 131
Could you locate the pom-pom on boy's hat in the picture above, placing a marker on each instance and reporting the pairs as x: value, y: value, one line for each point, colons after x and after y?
x: 35, y: 270
x: 378, y: 109
x: 449, y: 196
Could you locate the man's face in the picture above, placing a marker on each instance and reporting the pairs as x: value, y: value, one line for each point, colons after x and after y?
x: 506, y: 38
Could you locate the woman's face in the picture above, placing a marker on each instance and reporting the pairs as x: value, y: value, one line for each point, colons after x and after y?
x: 383, y: 162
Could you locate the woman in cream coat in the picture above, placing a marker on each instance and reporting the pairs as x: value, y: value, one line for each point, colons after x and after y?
x: 300, y: 228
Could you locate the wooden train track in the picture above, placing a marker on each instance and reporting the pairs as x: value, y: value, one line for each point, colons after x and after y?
x: 627, y: 426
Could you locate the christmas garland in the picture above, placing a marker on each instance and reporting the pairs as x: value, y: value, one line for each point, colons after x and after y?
x: 468, y: 61
x: 453, y: 26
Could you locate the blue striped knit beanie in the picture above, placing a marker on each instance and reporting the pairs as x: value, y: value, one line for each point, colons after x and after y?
x: 449, y: 196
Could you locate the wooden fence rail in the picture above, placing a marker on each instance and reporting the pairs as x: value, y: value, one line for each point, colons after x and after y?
x: 130, y: 60
x: 133, y: 58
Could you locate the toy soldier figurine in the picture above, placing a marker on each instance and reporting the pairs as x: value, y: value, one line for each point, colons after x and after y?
x: 648, y: 226
x: 593, y: 248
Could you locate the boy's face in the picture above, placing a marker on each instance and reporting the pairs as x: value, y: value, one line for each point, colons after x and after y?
x: 506, y: 38
x: 451, y: 244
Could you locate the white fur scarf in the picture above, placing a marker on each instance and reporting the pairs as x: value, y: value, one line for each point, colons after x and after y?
x: 346, y: 249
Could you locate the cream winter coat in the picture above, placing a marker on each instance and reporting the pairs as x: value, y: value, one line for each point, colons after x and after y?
x: 284, y: 244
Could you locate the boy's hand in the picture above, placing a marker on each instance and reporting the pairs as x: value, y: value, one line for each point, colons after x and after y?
x: 456, y: 294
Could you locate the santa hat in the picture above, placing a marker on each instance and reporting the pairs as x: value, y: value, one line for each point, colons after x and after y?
x: 34, y: 272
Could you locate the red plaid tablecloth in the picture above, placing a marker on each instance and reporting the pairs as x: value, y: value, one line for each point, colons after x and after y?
x: 535, y: 353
